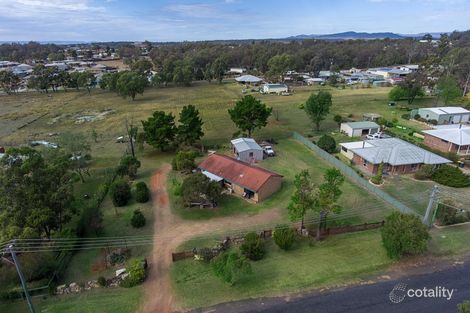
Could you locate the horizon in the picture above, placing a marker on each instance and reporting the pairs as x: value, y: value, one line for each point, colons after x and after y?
x: 211, y: 20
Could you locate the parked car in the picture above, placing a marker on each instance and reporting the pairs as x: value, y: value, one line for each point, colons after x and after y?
x: 269, y: 151
x: 378, y: 135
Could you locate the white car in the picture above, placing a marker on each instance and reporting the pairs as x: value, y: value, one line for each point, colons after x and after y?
x: 269, y: 151
x: 378, y: 135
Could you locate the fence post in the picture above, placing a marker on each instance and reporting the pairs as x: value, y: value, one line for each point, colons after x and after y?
x: 432, y: 199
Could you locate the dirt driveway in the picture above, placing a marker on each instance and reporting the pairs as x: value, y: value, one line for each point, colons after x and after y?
x: 171, y: 231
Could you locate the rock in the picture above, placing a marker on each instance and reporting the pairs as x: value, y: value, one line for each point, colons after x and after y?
x: 60, y: 290
x: 120, y: 271
x: 75, y: 288
x: 93, y: 284
x: 124, y: 276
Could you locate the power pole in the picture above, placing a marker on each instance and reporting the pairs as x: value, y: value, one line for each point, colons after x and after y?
x: 20, y: 274
x: 432, y: 200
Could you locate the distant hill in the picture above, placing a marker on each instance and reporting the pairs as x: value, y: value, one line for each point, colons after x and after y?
x: 351, y: 35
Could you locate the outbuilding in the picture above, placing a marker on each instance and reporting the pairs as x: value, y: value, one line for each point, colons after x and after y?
x: 247, y: 150
x: 248, y: 181
x: 275, y: 88
x: 248, y: 79
x: 443, y: 115
x: 357, y: 129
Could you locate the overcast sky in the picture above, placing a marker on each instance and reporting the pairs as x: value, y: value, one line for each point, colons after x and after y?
x: 162, y: 20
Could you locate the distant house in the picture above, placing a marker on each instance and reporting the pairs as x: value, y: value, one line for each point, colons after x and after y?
x: 247, y: 150
x: 443, y: 115
x: 398, y: 156
x: 380, y: 71
x: 248, y: 181
x: 237, y: 70
x: 314, y: 81
x: 357, y: 129
x: 449, y: 138
x: 275, y: 88
x: 248, y: 79
x: 409, y: 67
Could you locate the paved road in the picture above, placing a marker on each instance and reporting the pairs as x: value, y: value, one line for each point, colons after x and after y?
x: 370, y: 298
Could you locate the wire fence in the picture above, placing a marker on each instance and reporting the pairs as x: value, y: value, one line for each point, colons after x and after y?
x: 353, y: 175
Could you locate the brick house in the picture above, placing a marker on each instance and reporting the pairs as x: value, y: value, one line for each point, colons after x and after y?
x: 245, y: 180
x: 449, y: 138
x: 398, y: 156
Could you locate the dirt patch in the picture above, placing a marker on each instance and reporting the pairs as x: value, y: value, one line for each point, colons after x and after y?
x: 171, y: 231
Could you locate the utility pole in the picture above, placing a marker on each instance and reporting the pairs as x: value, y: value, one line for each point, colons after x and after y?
x: 432, y: 200
x: 20, y: 274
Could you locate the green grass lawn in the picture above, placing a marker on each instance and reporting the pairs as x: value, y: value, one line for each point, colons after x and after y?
x: 291, y: 157
x: 112, y: 300
x: 451, y: 240
x: 335, y: 261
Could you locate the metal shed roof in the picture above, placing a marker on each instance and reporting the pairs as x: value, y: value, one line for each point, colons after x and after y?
x: 244, y: 144
x: 362, y: 125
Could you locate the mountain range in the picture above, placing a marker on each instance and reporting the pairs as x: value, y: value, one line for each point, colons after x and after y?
x: 360, y: 35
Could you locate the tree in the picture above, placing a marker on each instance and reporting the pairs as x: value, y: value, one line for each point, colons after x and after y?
x: 9, y: 82
x: 197, y: 188
x: 142, y: 67
x: 128, y: 166
x: 160, y: 130
x: 86, y: 80
x: 327, y: 143
x: 397, y: 93
x: 231, y: 267
x: 253, y: 247
x: 377, y: 179
x: 130, y: 84
x: 36, y: 193
x: 184, y: 161
x: 249, y: 114
x: 138, y: 219
x: 448, y: 89
x: 404, y: 234
x: 142, y: 193
x: 302, y: 199
x: 284, y: 236
x: 190, y: 127
x: 318, y: 106
x: 338, y: 119
x: 278, y: 65
x: 464, y: 307
x: 120, y: 193
x: 326, y: 199
x: 208, y: 75
x: 218, y: 69
x: 427, y: 37
x: 77, y: 147
x: 183, y: 72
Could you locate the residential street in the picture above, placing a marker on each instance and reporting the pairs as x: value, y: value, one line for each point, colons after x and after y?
x: 370, y: 298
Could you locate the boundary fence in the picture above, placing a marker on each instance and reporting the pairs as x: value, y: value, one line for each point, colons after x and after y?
x: 353, y: 175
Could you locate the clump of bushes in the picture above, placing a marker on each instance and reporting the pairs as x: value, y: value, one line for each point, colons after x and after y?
x: 404, y: 234
x: 231, y: 267
x: 378, y: 179
x: 284, y: 236
x: 142, y: 193
x: 102, y: 281
x: 424, y: 173
x: 128, y: 166
x: 184, y: 161
x: 327, y: 143
x: 136, y: 272
x: 120, y: 192
x: 448, y: 215
x: 138, y: 219
x: 253, y: 247
x: 406, y: 116
x: 451, y: 176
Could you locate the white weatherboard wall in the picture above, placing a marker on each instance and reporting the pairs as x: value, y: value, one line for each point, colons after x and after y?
x: 348, y: 130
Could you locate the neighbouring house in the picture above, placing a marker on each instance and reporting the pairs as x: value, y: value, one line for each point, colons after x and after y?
x: 242, y: 179
x: 409, y: 67
x: 449, y: 138
x: 381, y: 71
x: 275, y: 88
x: 398, y: 156
x: 314, y: 81
x: 357, y: 129
x: 247, y: 150
x: 249, y: 79
x: 443, y: 115
x: 237, y: 70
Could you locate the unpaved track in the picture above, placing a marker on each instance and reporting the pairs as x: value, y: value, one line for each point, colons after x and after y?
x: 171, y: 231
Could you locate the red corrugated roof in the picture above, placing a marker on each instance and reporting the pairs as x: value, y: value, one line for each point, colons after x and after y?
x: 237, y: 172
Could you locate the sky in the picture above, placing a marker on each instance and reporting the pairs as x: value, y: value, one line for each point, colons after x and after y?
x: 191, y: 20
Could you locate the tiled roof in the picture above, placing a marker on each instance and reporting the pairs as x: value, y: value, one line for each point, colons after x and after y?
x: 237, y: 172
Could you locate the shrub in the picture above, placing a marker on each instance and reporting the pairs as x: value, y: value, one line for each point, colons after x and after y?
x: 451, y: 176
x: 284, y: 236
x: 138, y: 219
x: 464, y: 307
x: 120, y: 193
x: 406, y: 116
x: 253, y: 247
x: 102, y: 281
x: 448, y: 215
x: 327, y: 143
x: 136, y: 273
x: 142, y: 193
x: 197, y: 188
x: 424, y: 172
x: 404, y: 234
x: 184, y: 161
x: 230, y: 267
x: 128, y: 166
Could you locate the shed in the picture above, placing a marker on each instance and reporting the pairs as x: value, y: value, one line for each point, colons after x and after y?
x: 275, y: 88
x: 248, y: 79
x: 357, y: 129
x: 247, y: 150
x: 443, y: 115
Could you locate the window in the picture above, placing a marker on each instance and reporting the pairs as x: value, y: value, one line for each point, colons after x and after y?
x: 344, y: 149
x: 251, y: 154
x: 365, y: 163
